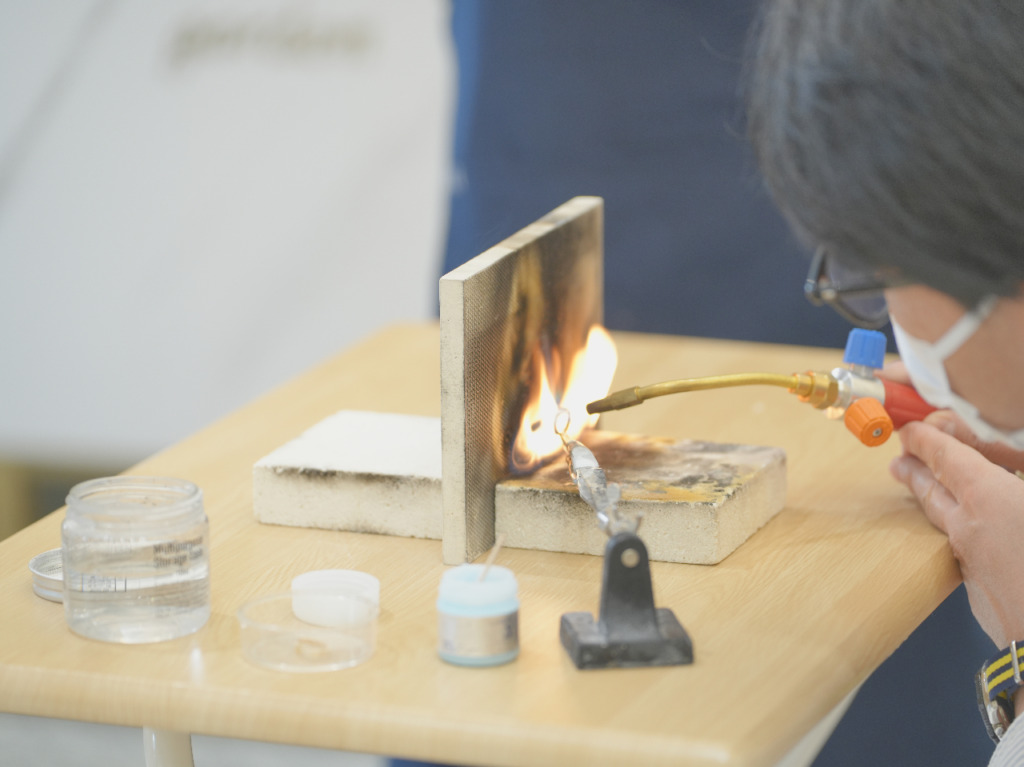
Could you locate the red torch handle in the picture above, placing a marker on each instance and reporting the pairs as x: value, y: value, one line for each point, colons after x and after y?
x: 904, y: 404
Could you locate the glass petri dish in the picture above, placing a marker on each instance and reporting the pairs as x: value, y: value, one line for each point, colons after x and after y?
x: 274, y: 637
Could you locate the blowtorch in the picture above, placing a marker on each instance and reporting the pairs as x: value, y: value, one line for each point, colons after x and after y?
x: 870, y: 406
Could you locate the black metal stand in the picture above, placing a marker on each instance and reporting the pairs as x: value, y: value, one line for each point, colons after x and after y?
x: 630, y: 631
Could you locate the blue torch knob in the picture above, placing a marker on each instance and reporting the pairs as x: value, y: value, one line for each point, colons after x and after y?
x: 865, y: 347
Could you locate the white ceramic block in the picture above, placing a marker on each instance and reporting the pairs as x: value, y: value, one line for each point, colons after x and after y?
x: 357, y: 471
x: 699, y: 500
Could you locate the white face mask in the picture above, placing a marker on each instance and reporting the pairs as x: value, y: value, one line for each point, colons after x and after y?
x: 924, y: 364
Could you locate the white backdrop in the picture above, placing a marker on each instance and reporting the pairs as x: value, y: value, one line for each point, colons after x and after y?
x: 200, y: 199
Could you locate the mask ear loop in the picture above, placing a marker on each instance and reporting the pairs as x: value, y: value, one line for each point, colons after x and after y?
x: 964, y: 328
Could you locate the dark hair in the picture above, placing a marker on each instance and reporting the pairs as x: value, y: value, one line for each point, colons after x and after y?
x: 892, y: 132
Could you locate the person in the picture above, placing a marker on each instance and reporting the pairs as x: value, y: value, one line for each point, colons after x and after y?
x: 890, y: 135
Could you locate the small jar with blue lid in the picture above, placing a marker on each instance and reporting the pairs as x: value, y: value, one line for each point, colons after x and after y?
x: 478, y: 620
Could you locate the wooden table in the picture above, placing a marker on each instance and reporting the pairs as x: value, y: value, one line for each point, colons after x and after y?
x: 784, y: 629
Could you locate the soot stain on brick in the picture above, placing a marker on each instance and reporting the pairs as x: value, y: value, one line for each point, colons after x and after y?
x: 388, y: 481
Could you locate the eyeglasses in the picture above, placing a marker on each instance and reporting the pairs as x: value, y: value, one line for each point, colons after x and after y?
x: 855, y: 295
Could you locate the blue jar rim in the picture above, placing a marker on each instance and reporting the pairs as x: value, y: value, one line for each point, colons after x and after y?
x: 462, y: 586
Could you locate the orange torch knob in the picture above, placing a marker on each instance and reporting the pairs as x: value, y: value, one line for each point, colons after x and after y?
x: 868, y: 421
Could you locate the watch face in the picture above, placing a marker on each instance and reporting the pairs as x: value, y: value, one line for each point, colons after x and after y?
x: 998, y: 717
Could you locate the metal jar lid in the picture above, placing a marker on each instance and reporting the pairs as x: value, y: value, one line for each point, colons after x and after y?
x: 48, y: 575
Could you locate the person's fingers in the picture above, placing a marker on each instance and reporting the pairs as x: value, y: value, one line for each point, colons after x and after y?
x: 938, y: 503
x: 895, y: 371
x: 954, y: 465
x: 996, y: 452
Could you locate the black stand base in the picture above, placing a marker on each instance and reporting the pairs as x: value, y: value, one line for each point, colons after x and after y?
x: 630, y: 632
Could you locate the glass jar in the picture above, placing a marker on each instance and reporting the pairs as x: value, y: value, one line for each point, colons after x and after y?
x: 136, y: 559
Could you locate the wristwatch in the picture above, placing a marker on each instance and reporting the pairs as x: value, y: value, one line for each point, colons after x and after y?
x: 995, y: 684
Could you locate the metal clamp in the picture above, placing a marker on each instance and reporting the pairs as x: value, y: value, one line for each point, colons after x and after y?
x: 630, y: 631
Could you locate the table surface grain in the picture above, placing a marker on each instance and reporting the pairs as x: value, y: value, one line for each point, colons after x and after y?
x: 783, y: 629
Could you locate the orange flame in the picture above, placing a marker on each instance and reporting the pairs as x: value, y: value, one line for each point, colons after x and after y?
x: 590, y: 378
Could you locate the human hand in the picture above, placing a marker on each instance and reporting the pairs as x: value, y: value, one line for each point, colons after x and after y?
x: 896, y: 371
x: 979, y: 506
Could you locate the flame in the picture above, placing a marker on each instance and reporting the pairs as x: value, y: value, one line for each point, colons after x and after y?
x: 590, y: 378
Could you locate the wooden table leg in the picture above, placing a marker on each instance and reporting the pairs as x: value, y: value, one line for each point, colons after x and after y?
x: 165, y: 748
x: 806, y: 751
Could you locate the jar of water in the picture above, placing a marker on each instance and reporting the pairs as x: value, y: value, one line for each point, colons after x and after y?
x: 136, y: 559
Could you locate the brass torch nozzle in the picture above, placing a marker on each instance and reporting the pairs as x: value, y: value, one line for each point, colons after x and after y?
x: 817, y: 389
x: 616, y: 401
